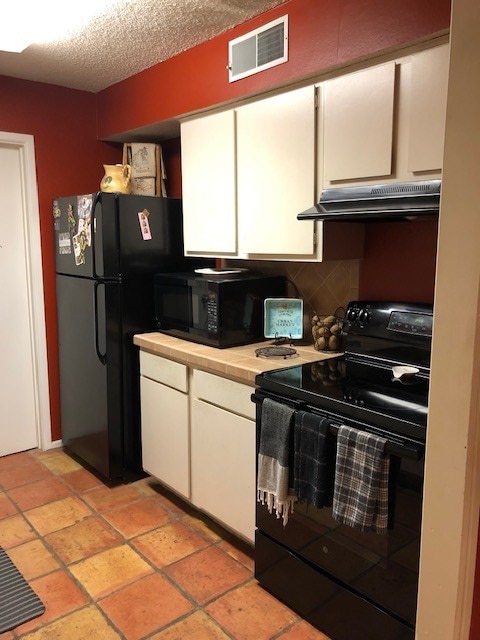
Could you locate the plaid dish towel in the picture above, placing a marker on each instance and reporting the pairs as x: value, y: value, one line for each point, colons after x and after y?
x: 360, y: 497
x: 314, y: 459
x: 273, y: 468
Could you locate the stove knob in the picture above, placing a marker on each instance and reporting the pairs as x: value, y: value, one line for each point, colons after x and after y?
x: 364, y: 316
x: 351, y: 315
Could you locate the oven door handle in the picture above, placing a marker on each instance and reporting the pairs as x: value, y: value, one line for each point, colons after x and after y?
x: 400, y: 447
x: 297, y: 404
x: 396, y: 445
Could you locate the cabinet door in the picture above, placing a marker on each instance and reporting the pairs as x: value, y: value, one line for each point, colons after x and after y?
x: 275, y: 173
x: 208, y: 184
x: 165, y: 435
x: 428, y: 106
x: 358, y: 124
x: 223, y: 466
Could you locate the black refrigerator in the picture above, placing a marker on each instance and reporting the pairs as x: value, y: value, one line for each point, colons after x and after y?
x: 107, y: 248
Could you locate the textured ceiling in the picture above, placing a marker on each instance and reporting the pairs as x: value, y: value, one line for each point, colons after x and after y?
x: 130, y: 37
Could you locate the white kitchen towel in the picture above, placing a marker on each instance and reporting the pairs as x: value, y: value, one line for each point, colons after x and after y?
x: 273, y: 459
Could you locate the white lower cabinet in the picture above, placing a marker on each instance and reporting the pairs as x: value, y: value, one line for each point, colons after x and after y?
x: 198, y: 438
x: 223, y: 467
x: 165, y: 422
x: 223, y: 452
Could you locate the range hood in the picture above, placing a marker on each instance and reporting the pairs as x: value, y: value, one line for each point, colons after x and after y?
x: 378, y: 203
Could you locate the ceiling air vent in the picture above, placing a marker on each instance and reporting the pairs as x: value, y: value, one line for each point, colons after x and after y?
x: 258, y: 50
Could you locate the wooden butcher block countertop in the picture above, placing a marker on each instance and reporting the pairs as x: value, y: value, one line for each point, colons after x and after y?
x: 237, y: 363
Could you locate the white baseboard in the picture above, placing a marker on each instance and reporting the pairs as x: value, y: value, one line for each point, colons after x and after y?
x: 56, y: 444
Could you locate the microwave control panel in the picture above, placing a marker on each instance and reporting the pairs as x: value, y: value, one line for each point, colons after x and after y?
x: 212, y: 313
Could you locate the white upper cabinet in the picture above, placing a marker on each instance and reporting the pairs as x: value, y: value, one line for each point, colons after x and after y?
x: 248, y: 171
x: 385, y: 123
x: 208, y: 186
x: 428, y: 109
x: 358, y: 124
x: 276, y: 173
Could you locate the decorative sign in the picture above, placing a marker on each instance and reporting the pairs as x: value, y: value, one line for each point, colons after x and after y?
x: 283, y: 318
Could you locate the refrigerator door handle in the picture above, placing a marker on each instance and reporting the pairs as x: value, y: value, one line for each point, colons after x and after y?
x: 96, y: 200
x: 101, y: 356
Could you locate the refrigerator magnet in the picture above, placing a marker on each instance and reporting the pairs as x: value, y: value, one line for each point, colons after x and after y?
x: 64, y: 244
x: 79, y: 244
x: 144, y: 225
x: 56, y: 215
x: 88, y: 231
x: 84, y: 208
x: 72, y: 223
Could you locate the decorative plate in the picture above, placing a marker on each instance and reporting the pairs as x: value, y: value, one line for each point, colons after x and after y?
x: 283, y: 318
x: 210, y: 271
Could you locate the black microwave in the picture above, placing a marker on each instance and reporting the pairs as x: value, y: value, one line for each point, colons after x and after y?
x: 216, y: 310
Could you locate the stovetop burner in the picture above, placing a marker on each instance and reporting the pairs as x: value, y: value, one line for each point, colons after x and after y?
x: 275, y: 352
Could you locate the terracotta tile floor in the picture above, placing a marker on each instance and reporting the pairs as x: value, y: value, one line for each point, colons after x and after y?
x: 128, y: 561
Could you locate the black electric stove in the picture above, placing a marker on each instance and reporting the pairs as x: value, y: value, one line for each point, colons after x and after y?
x: 361, y: 383
x: 354, y: 585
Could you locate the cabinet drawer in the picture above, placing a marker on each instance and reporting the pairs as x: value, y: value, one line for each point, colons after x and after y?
x: 160, y: 369
x: 224, y: 393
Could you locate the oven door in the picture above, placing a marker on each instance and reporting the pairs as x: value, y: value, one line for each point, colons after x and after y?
x: 343, y: 572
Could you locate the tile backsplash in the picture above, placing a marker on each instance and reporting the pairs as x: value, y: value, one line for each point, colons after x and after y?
x: 324, y: 286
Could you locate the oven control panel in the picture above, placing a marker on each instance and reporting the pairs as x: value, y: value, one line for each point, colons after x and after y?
x: 409, y: 322
x: 380, y: 319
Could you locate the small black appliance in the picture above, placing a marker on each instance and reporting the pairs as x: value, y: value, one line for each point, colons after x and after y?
x: 219, y: 310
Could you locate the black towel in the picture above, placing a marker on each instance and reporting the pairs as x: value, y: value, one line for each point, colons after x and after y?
x: 273, y: 455
x: 313, y: 459
x: 360, y: 497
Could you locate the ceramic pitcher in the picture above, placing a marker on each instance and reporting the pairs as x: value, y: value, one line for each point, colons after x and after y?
x: 117, y: 178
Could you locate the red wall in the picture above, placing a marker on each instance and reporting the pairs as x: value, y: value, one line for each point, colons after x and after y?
x: 171, y: 158
x: 399, y: 261
x: 322, y: 34
x: 68, y: 160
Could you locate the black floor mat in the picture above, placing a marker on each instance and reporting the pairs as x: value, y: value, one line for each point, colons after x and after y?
x: 18, y: 602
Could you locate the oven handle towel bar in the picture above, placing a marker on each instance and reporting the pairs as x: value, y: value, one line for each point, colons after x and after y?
x: 396, y: 446
x: 399, y: 448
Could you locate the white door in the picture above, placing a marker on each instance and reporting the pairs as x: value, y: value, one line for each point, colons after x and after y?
x: 23, y: 386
